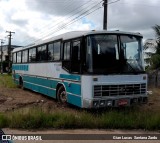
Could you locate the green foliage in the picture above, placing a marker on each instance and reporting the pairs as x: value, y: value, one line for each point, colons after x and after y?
x: 156, y: 28
x: 158, y: 48
x: 35, y: 118
x: 155, y: 61
x: 3, y: 121
x: 7, y: 81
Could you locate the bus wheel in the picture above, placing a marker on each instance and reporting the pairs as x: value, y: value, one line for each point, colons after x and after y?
x: 21, y: 83
x: 61, y: 95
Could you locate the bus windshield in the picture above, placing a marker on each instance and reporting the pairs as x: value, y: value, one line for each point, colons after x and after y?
x: 114, y: 54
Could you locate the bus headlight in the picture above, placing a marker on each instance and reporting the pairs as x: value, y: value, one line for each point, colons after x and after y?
x: 135, y: 100
x: 109, y: 103
x: 95, y: 104
x: 102, y: 103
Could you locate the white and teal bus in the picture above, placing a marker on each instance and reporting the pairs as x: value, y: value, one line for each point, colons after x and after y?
x: 89, y: 69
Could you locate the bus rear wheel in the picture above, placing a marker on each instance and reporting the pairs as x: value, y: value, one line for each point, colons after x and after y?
x: 61, y: 95
x: 21, y: 83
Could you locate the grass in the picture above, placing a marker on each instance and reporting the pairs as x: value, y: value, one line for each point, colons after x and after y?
x: 6, y: 81
x: 36, y: 118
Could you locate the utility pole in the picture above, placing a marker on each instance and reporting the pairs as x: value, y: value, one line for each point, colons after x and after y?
x: 9, y: 50
x: 105, y: 4
x: 2, y: 41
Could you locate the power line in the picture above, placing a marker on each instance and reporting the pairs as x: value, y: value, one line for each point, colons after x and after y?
x: 61, y: 20
x: 68, y: 23
x: 64, y: 26
x: 42, y: 27
x: 64, y: 19
x: 76, y: 19
x: 72, y: 20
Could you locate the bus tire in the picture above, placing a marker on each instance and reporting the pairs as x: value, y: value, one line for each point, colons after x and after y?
x: 61, y: 95
x: 21, y: 83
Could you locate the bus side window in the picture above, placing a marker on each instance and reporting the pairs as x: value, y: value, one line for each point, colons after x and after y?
x: 32, y: 55
x: 57, y: 46
x: 75, y: 60
x: 67, y: 51
x: 42, y: 53
x: 51, y: 52
x: 14, y: 57
x: 54, y: 51
x: 66, y: 56
x: 25, y: 56
x: 19, y: 57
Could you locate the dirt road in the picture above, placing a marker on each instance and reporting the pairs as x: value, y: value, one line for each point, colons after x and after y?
x: 117, y: 133
x: 16, y: 98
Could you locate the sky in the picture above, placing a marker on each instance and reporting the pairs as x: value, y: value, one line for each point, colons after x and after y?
x: 34, y: 20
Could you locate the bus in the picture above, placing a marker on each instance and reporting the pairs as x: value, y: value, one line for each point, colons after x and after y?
x: 89, y: 69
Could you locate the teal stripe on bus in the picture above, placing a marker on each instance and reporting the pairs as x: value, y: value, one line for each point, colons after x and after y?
x: 40, y: 89
x: 48, y: 87
x: 20, y: 67
x: 73, y: 88
x: 17, y: 76
x: 70, y: 77
x: 41, y: 81
x: 75, y: 100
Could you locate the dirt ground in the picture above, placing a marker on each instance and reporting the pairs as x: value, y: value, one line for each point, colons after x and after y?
x: 15, y: 98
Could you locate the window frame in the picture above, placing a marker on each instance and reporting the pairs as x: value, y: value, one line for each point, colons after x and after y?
x: 61, y: 49
x: 20, y: 57
x: 70, y: 44
x: 70, y: 60
x: 27, y: 55
x: 46, y: 58
x: 36, y: 47
x: 30, y: 61
x: 15, y: 57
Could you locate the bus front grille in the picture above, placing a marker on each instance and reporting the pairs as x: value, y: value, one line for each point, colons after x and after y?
x: 118, y: 90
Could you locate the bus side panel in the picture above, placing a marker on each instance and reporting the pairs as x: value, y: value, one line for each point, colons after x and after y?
x: 41, y: 85
x: 16, y: 78
x: 75, y: 100
x: 34, y: 78
x: 87, y: 91
x: 52, y: 89
x: 73, y: 93
x: 72, y: 85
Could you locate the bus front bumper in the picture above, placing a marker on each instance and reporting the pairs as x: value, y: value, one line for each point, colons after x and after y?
x: 114, y: 102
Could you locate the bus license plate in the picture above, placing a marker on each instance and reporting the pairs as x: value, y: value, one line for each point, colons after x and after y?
x: 122, y: 102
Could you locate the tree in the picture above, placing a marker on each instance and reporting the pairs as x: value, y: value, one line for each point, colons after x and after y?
x: 157, y: 32
x: 153, y: 58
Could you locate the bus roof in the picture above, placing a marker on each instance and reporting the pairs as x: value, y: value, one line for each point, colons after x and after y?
x: 76, y: 34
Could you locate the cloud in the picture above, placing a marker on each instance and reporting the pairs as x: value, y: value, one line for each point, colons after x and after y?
x: 134, y: 16
x: 57, y: 7
x: 36, y: 19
